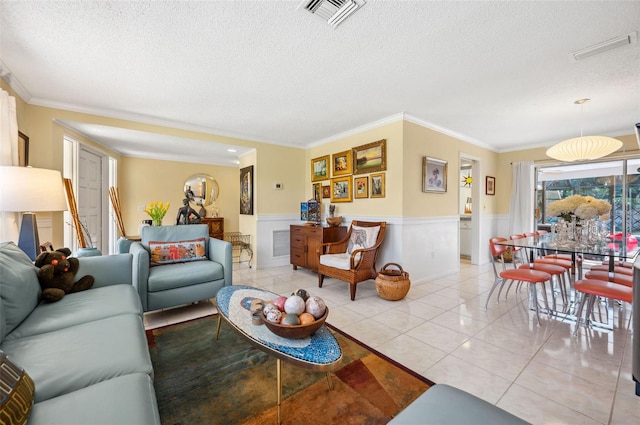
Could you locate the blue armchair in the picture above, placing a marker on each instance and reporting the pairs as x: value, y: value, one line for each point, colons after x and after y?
x: 175, y: 265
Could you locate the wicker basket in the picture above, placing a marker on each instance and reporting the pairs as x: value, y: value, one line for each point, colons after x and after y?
x: 392, y: 284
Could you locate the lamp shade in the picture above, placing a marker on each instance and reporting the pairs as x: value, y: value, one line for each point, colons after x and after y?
x: 584, y: 148
x: 31, y: 189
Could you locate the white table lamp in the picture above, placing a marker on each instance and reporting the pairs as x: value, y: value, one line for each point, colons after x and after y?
x: 29, y: 190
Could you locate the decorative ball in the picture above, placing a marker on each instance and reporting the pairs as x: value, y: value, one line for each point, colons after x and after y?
x: 270, y: 306
x: 302, y: 293
x: 307, y: 318
x: 315, y: 306
x: 280, y: 302
x: 274, y: 315
x: 294, y: 305
x: 290, y: 320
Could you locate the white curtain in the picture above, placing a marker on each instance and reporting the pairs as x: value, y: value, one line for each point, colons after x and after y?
x: 8, y: 156
x: 521, y: 211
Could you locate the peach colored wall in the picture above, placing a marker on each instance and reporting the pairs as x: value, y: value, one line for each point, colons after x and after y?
x: 164, y: 181
x: 419, y: 142
x: 391, y: 204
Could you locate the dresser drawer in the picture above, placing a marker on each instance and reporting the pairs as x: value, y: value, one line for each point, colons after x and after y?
x: 297, y: 241
x: 298, y: 256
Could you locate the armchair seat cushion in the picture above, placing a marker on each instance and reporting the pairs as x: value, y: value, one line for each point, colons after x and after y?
x: 339, y: 261
x: 180, y: 275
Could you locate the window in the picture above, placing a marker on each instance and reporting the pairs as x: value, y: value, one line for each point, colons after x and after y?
x: 617, y: 182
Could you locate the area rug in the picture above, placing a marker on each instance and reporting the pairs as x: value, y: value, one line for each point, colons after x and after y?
x: 199, y: 380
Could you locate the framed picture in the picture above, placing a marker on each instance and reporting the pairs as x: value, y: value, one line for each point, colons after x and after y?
x: 341, y: 189
x: 377, y: 185
x: 434, y: 175
x: 490, y: 185
x: 361, y: 186
x: 320, y: 168
x: 317, y: 191
x: 326, y: 192
x: 370, y: 158
x: 23, y: 149
x: 341, y: 163
x: 246, y: 190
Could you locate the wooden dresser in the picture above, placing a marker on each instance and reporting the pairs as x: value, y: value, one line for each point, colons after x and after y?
x: 216, y: 226
x: 306, y: 239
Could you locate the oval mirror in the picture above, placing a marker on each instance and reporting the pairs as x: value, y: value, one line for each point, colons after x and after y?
x: 201, y: 189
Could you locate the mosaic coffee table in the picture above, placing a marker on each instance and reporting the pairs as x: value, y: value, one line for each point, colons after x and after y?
x: 319, y: 352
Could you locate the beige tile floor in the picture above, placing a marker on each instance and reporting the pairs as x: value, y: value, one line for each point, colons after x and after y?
x: 441, y: 330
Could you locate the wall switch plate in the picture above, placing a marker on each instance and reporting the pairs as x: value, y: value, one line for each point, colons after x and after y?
x: 277, y: 186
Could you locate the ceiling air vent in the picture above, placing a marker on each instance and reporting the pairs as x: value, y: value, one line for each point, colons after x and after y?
x: 333, y: 11
x: 596, y: 49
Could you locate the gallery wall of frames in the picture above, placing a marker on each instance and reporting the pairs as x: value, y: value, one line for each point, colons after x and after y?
x: 357, y: 173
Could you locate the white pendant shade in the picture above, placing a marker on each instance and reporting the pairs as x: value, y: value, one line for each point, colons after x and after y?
x: 584, y: 148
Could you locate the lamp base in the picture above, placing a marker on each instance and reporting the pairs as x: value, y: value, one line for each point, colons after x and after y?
x: 28, y: 240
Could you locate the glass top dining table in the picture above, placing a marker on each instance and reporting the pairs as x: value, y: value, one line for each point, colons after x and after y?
x: 549, y: 243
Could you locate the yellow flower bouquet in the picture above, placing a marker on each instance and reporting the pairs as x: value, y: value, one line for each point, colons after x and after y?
x: 157, y: 211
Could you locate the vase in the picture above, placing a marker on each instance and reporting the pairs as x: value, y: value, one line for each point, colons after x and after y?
x: 157, y: 222
x: 88, y: 252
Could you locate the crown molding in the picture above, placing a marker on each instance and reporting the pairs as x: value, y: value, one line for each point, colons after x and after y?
x: 14, y: 83
x: 370, y: 126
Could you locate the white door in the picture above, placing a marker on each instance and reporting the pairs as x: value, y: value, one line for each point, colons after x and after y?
x: 90, y: 196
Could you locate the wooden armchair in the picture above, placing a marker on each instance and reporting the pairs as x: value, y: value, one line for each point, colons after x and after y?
x: 352, y: 259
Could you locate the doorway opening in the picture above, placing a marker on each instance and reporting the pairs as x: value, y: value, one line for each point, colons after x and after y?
x: 469, y: 189
x: 91, y: 172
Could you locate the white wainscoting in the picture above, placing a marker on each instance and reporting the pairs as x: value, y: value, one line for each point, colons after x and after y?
x: 425, y: 247
x: 266, y: 225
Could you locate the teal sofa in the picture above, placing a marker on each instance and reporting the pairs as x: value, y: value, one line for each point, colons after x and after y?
x: 446, y: 405
x: 171, y: 284
x: 87, y: 354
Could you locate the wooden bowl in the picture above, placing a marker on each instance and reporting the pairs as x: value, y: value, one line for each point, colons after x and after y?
x: 295, y: 331
x: 334, y: 221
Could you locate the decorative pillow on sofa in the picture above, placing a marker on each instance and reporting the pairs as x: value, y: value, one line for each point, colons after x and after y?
x: 362, y: 237
x: 19, y: 287
x: 16, y: 392
x: 177, y: 252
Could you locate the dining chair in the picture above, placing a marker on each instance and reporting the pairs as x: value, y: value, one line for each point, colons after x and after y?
x: 619, y: 278
x: 504, y: 274
x: 591, y: 290
x: 558, y: 273
x: 617, y: 269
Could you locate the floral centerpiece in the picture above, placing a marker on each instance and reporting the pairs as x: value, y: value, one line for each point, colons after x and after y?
x: 157, y: 211
x: 580, y: 207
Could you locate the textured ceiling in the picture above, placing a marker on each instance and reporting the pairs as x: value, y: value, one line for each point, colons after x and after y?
x: 496, y: 74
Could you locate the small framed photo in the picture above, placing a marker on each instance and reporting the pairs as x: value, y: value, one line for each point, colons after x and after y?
x: 341, y: 163
x: 341, y: 189
x: 377, y: 185
x: 490, y: 185
x: 370, y: 158
x: 320, y: 168
x: 326, y: 192
x: 361, y: 186
x: 317, y: 191
x: 434, y: 175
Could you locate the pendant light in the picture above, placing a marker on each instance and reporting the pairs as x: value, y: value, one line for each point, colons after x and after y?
x: 583, y: 148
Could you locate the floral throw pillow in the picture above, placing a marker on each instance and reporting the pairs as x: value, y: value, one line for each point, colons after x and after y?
x: 362, y: 237
x: 177, y: 252
x: 16, y: 392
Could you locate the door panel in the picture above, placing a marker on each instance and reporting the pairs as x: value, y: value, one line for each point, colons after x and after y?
x: 89, y: 195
